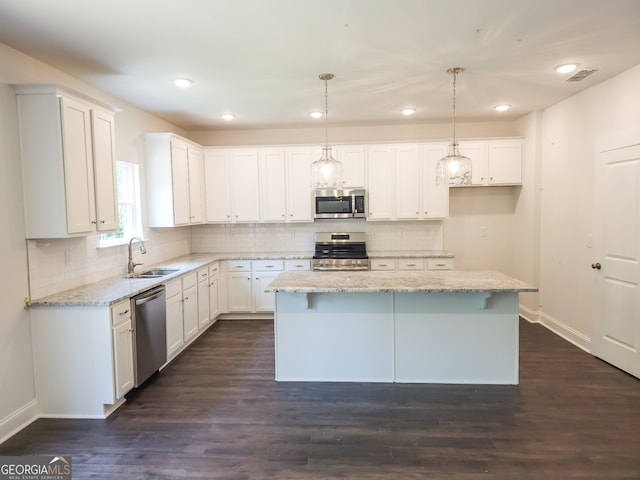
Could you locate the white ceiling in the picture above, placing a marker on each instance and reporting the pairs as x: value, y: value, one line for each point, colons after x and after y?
x: 260, y: 59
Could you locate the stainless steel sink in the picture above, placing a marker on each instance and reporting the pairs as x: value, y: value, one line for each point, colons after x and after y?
x: 154, y: 273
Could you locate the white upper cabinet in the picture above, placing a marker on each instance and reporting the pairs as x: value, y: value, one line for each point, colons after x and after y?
x: 196, y: 185
x: 217, y: 191
x: 68, y: 169
x: 434, y: 198
x: 407, y: 182
x: 494, y: 162
x: 273, y: 194
x: 402, y: 182
x: 380, y: 185
x: 353, y: 158
x: 505, y: 162
x: 298, y: 184
x: 232, y: 189
x: 285, y: 185
x: 174, y: 168
x: 104, y: 147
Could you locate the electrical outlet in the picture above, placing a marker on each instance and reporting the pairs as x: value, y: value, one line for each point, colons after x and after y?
x: 483, y: 231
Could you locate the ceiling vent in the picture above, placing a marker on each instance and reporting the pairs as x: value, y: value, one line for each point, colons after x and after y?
x: 581, y: 75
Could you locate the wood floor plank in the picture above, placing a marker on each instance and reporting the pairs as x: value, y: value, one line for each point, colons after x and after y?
x: 217, y: 413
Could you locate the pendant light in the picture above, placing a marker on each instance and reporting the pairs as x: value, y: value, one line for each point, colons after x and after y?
x: 326, y: 172
x: 454, y: 169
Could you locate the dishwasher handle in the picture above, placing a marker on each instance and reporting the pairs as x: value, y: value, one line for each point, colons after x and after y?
x: 148, y: 296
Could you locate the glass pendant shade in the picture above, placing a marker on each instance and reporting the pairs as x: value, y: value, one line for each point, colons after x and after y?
x: 454, y: 169
x: 326, y: 172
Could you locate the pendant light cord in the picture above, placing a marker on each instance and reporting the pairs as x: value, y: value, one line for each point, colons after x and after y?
x: 326, y: 77
x: 455, y: 74
x: 326, y: 115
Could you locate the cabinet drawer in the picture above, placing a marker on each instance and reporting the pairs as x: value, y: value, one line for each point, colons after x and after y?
x: 238, y: 265
x: 267, y: 265
x: 172, y: 288
x: 383, y: 264
x: 214, y: 269
x: 121, y: 312
x: 440, y: 264
x: 189, y: 280
x: 410, y: 264
x: 203, y: 274
x: 293, y: 265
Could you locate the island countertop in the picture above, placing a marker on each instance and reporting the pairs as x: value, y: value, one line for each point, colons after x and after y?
x: 393, y: 281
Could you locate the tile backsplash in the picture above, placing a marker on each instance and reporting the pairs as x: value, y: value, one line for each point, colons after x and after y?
x: 300, y: 237
x: 60, y: 264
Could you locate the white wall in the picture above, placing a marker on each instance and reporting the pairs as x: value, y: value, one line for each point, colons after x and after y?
x: 569, y: 131
x: 363, y: 134
x: 17, y: 397
x: 46, y: 259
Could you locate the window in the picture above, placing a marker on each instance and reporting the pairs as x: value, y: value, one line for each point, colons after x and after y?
x: 129, y: 216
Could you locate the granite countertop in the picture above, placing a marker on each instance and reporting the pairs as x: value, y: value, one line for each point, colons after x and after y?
x: 112, y: 290
x: 384, y: 281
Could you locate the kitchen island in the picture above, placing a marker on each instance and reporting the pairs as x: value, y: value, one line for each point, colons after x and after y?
x: 420, y: 327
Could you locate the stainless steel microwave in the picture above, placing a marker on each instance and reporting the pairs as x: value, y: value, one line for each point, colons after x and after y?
x: 340, y: 203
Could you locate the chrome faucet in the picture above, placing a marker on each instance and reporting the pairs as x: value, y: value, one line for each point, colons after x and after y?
x: 131, y: 265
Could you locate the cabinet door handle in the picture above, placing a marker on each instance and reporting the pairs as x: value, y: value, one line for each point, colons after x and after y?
x: 124, y: 312
x: 102, y: 221
x: 596, y: 266
x: 411, y: 264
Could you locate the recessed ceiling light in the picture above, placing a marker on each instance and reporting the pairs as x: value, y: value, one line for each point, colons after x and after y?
x: 502, y: 108
x: 315, y: 114
x: 566, y: 68
x: 227, y: 116
x: 183, y: 82
x: 408, y: 111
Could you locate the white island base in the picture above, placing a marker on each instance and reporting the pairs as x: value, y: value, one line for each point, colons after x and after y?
x: 418, y: 337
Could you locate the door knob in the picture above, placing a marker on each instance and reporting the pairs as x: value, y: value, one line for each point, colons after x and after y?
x: 596, y: 266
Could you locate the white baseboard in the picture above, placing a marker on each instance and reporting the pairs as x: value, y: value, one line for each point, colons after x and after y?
x: 16, y: 421
x: 571, y: 335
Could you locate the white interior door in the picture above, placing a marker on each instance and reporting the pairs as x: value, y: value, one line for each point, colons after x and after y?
x: 616, y: 337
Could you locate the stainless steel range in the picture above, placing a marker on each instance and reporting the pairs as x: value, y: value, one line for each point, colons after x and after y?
x: 340, y: 251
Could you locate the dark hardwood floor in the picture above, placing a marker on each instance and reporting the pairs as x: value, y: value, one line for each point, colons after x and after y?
x: 217, y: 413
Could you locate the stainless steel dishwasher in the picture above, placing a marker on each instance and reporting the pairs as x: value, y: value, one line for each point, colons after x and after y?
x: 150, y: 333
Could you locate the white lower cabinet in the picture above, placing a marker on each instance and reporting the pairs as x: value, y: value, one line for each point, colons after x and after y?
x: 239, y: 297
x: 264, y: 271
x: 83, y: 359
x: 248, y: 279
x: 190, y: 306
x: 214, y: 291
x: 175, y: 334
x: 122, y: 332
x: 204, y: 314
